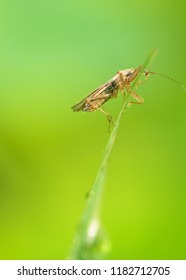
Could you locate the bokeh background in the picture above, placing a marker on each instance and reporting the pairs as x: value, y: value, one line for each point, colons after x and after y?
x: 52, y: 54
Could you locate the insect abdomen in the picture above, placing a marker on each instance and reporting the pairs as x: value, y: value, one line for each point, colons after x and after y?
x: 93, y: 105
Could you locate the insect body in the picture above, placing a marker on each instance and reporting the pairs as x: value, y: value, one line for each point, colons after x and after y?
x: 120, y: 82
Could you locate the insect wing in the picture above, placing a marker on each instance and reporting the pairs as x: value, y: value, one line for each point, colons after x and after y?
x: 79, y: 106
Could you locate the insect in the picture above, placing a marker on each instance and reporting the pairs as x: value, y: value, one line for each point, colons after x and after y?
x: 120, y: 82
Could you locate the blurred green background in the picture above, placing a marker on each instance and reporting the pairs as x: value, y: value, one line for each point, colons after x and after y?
x: 52, y: 54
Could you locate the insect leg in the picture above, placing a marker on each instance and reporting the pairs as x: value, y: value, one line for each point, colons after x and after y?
x: 146, y: 73
x: 109, y: 118
x: 134, y: 95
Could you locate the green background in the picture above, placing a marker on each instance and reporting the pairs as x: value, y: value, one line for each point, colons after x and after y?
x: 52, y: 54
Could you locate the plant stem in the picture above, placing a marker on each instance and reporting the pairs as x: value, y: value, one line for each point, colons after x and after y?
x: 92, y: 208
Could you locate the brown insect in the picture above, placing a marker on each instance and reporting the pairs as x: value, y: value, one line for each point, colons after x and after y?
x: 120, y: 82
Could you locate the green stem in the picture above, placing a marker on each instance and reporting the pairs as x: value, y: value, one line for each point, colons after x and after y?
x: 92, y: 208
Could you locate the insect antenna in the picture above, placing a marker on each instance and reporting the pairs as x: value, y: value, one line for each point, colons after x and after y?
x: 181, y: 85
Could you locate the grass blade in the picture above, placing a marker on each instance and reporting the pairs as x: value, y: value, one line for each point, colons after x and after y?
x: 91, y: 241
